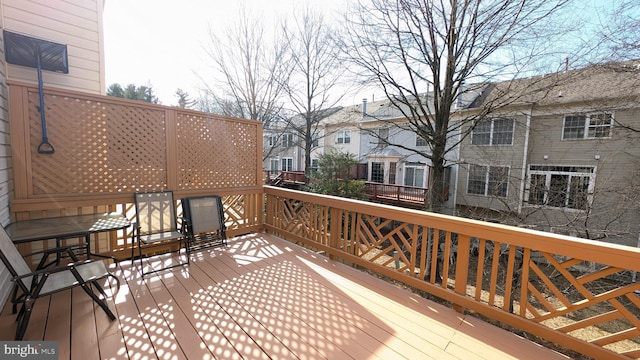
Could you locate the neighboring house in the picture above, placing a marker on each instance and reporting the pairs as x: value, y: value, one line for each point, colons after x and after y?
x: 563, y: 159
x: 281, y: 149
x: 368, y: 131
x: 284, y: 144
x: 76, y: 23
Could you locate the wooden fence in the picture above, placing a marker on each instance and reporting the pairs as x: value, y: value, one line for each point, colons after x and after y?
x: 107, y: 148
x: 572, y: 292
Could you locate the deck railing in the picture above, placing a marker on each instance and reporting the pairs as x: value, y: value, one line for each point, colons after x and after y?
x: 559, y: 288
x: 396, y: 194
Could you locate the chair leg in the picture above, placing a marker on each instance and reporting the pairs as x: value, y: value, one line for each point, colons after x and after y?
x: 140, y: 258
x: 103, y: 303
x: 14, y: 297
x: 24, y: 316
x: 100, y: 289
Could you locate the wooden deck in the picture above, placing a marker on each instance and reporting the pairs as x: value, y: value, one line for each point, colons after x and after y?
x: 259, y: 298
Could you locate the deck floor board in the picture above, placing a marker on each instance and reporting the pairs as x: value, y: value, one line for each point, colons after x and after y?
x: 261, y: 297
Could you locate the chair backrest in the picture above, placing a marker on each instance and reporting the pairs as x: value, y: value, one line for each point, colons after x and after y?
x: 155, y: 212
x: 13, y: 260
x: 204, y: 213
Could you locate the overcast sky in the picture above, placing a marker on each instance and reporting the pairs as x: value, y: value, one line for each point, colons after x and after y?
x: 160, y: 42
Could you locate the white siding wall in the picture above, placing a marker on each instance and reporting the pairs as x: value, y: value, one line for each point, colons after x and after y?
x: 77, y: 23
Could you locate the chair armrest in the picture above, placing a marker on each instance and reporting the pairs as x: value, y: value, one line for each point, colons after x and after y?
x: 185, y: 225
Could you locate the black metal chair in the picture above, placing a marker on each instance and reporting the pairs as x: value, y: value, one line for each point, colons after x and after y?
x: 204, y: 221
x: 31, y: 285
x: 156, y: 226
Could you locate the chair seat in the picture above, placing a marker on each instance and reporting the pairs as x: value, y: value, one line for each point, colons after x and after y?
x: 64, y: 279
x: 154, y: 238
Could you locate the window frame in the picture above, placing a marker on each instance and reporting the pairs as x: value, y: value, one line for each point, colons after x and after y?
x: 552, y: 176
x: 380, y: 139
x: 273, y: 161
x: 272, y: 140
x: 414, y: 168
x: 488, y: 185
x: 379, y: 174
x: 589, y: 126
x: 493, y: 132
x: 286, y: 164
x: 287, y: 140
x: 343, y: 137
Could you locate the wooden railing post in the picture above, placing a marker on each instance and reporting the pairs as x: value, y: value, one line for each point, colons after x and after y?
x: 462, y: 268
x: 335, y: 229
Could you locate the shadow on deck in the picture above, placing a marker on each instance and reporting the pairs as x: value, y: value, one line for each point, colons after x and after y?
x: 263, y: 297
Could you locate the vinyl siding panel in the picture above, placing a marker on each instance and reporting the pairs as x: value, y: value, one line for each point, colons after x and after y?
x: 614, y: 211
x: 77, y: 23
x: 6, y: 179
x: 511, y: 156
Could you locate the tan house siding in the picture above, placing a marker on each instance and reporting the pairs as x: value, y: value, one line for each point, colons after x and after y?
x: 613, y: 215
x: 77, y: 23
x: 6, y: 184
x: 510, y: 156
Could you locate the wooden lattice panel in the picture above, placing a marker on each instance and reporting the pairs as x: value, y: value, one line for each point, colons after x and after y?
x: 100, y: 147
x: 216, y: 152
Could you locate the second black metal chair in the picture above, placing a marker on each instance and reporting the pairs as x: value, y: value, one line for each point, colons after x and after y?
x: 156, y: 226
x: 204, y: 221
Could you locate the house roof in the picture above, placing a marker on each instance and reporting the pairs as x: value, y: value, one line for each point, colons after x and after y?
x: 596, y: 83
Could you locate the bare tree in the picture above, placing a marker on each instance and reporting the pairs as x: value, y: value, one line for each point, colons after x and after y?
x: 426, y: 55
x: 314, y: 74
x: 616, y: 31
x: 250, y: 69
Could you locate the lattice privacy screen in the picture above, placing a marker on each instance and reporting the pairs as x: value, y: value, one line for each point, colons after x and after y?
x: 215, y: 154
x: 105, y: 145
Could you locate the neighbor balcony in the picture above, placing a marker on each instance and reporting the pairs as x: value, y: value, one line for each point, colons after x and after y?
x: 304, y: 275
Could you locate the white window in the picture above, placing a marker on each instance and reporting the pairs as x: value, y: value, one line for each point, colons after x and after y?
x: 589, y: 126
x: 287, y: 140
x: 382, y: 137
x: 421, y: 132
x: 272, y: 140
x: 344, y: 137
x: 493, y: 132
x: 488, y: 180
x: 273, y: 164
x: 287, y: 164
x: 377, y: 172
x: 315, y: 140
x: 314, y: 165
x: 561, y: 186
x: 414, y: 175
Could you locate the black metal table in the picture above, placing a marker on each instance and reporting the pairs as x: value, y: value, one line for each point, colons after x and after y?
x: 66, y: 227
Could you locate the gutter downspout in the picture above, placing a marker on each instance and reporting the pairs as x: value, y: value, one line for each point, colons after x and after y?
x: 525, y: 152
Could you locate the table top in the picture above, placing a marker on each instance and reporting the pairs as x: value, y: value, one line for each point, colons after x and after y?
x: 65, y: 226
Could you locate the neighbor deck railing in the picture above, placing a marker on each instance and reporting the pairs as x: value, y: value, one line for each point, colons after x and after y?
x: 396, y: 194
x: 561, y: 289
